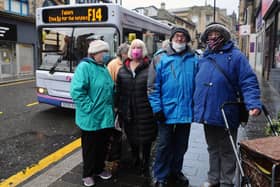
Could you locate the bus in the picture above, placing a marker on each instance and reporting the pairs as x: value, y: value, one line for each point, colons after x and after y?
x: 65, y: 31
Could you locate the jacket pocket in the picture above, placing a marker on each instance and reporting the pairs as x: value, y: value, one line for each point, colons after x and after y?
x: 169, y: 108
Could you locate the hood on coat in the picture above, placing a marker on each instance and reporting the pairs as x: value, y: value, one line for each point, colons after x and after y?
x: 216, y: 27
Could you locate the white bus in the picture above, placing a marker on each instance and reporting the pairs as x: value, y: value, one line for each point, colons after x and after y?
x: 64, y: 33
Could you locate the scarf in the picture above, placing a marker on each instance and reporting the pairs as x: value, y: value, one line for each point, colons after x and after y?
x: 215, y: 43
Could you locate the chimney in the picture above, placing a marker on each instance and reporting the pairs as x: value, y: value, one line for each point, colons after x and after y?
x: 162, y: 5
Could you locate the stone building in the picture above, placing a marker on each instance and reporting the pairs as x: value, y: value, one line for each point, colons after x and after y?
x: 203, y: 15
x: 169, y: 18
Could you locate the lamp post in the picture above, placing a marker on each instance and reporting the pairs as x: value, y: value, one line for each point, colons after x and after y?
x: 214, y: 18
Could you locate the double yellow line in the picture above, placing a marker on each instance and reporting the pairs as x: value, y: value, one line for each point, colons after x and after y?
x: 42, y: 164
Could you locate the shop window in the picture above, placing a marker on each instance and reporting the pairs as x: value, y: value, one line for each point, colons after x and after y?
x: 17, y: 6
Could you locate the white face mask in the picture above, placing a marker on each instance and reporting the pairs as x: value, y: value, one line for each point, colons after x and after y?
x: 178, y: 47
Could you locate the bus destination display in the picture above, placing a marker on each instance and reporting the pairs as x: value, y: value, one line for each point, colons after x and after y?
x: 81, y: 14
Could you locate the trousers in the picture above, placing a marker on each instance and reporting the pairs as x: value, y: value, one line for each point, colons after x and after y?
x: 94, y: 149
x: 222, y: 161
x: 171, y: 147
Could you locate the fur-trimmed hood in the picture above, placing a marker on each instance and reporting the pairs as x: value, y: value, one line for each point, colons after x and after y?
x: 216, y: 27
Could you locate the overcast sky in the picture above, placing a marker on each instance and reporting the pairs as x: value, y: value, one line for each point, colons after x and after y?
x: 230, y: 5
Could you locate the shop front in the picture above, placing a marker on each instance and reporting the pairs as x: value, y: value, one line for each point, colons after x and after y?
x: 259, y: 65
x: 271, y: 15
x: 17, y: 44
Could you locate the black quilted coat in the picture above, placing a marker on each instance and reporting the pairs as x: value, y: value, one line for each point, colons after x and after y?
x: 133, y: 104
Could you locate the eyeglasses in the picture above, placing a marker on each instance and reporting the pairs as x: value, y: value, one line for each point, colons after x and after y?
x: 180, y: 35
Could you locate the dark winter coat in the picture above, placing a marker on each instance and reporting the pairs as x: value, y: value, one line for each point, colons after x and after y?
x: 133, y: 104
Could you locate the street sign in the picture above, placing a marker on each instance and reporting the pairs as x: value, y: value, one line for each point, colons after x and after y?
x: 244, y: 30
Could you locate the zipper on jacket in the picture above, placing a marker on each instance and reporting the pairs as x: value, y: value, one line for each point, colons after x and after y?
x: 173, y: 71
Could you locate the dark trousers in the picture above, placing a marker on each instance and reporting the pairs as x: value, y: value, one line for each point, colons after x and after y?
x: 141, y: 154
x: 94, y: 149
x: 222, y: 161
x: 171, y: 147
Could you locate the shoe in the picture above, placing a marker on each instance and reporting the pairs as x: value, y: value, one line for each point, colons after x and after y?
x: 105, y: 175
x: 180, y: 178
x: 88, y: 181
x: 208, y: 184
x: 160, y: 184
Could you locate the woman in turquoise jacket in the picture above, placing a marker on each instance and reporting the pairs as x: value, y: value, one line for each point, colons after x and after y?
x: 92, y: 92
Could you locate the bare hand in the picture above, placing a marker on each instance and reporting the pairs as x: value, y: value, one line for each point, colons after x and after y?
x: 254, y: 112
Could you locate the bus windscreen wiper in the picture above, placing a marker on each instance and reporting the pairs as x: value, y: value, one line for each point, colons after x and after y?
x: 52, y: 70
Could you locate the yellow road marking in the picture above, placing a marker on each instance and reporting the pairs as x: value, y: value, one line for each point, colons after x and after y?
x: 32, y: 104
x: 1, y: 113
x: 15, y: 83
x: 42, y: 164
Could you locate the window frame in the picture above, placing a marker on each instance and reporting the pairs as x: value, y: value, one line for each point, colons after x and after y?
x: 23, y: 7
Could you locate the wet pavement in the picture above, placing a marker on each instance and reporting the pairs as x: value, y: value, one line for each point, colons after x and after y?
x: 68, y: 172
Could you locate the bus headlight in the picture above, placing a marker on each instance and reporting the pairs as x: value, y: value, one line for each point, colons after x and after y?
x: 42, y: 90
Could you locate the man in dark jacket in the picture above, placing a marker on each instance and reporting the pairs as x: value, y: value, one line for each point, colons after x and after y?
x: 170, y: 91
x: 212, y: 89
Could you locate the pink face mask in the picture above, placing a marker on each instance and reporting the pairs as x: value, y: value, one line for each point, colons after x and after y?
x: 136, y: 53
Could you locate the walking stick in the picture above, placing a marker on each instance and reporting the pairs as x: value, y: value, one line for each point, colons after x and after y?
x: 244, y: 179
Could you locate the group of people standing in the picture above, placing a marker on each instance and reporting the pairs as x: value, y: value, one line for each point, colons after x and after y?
x: 160, y: 98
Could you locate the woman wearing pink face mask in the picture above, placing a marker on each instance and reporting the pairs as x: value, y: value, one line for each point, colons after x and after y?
x: 134, y: 107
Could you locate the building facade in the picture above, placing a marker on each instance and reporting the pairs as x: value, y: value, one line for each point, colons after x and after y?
x: 17, y: 41
x: 262, y: 44
x: 170, y: 19
x: 271, y: 17
x: 18, y: 36
x: 203, y: 15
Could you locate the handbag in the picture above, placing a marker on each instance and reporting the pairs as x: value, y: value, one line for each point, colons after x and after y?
x: 114, y: 147
x: 243, y: 112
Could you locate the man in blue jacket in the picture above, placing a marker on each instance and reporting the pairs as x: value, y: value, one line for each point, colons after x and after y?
x: 212, y: 89
x: 170, y: 92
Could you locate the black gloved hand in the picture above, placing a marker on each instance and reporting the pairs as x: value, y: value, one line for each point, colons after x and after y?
x: 159, y: 116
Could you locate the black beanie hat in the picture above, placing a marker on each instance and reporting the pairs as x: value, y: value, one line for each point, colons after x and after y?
x: 182, y: 30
